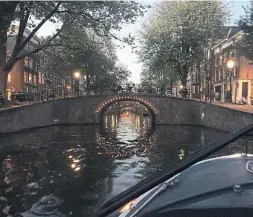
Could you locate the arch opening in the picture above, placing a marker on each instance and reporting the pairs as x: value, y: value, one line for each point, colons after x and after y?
x: 101, y: 109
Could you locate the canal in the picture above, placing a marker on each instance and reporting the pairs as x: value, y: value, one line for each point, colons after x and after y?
x: 87, y: 165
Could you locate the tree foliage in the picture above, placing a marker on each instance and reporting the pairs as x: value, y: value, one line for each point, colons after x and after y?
x: 79, y: 48
x: 174, y: 39
x: 100, y: 16
x: 245, y: 46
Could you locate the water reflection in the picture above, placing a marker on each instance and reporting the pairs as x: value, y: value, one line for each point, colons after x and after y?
x: 86, y: 165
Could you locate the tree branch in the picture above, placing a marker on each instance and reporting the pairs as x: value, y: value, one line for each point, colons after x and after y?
x: 47, y: 44
x: 7, y: 9
x: 23, y: 22
x: 22, y: 45
x: 79, y: 13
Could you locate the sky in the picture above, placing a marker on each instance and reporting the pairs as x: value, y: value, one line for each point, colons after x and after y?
x: 129, y: 58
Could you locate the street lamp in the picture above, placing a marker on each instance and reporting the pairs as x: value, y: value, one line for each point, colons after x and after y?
x: 77, y: 77
x: 230, y: 65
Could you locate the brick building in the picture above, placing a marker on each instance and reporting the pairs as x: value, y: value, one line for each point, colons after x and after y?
x: 239, y: 77
x: 24, y: 75
x: 28, y: 74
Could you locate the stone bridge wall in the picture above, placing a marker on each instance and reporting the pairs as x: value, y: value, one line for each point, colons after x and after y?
x: 83, y: 110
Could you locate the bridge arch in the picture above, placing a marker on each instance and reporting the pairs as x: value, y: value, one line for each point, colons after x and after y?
x: 107, y: 103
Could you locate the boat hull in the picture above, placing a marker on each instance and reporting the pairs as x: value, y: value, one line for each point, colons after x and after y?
x: 208, y: 184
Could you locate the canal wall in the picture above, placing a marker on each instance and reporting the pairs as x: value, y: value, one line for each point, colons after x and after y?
x: 222, y: 118
x: 84, y: 110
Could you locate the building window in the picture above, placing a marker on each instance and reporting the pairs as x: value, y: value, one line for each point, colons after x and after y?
x: 9, y: 94
x: 34, y: 80
x: 30, y: 78
x: 42, y: 79
x: 36, y: 66
x: 39, y: 77
x: 217, y: 75
x: 220, y: 61
x: 9, y: 77
x: 224, y: 73
x: 236, y: 71
x: 26, y: 62
x: 30, y: 63
x: 26, y: 77
x: 217, y: 61
x: 221, y: 74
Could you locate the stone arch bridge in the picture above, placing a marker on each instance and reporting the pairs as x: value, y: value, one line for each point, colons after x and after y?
x: 89, y: 110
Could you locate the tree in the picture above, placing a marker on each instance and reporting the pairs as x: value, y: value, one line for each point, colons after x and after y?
x: 178, y: 33
x: 102, y: 17
x: 245, y: 46
x: 94, y: 56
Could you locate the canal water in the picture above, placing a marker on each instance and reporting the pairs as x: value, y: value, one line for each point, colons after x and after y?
x: 87, y: 165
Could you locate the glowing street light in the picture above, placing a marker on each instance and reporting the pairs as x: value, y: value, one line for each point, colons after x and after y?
x: 77, y: 75
x: 230, y: 64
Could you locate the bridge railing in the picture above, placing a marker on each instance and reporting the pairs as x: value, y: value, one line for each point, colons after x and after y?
x: 143, y: 92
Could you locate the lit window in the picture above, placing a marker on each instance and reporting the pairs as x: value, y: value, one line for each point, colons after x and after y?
x: 26, y: 77
x: 9, y: 94
x: 39, y: 77
x: 9, y: 77
x: 30, y: 78
x: 34, y: 79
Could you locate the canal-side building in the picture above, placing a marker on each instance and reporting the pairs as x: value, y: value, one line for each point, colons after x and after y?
x: 202, y: 78
x: 29, y: 75
x: 24, y: 75
x: 241, y: 73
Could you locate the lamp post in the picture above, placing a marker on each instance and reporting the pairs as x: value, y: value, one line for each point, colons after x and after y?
x: 77, y: 77
x: 230, y: 65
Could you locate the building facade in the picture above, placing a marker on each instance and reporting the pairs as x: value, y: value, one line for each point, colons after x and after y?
x: 25, y: 73
x: 210, y: 76
x: 29, y: 75
x: 238, y: 79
